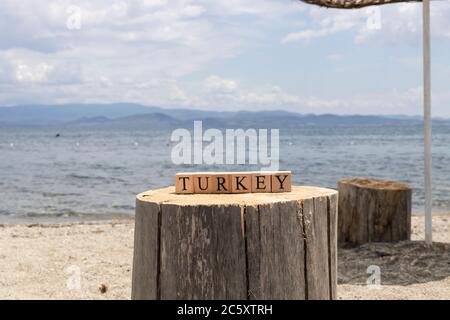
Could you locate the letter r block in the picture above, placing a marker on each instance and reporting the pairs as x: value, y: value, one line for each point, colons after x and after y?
x: 281, y: 181
x: 221, y: 183
x: 184, y: 183
x: 241, y: 182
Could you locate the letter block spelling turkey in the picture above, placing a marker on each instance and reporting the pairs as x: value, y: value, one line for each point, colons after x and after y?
x: 233, y: 182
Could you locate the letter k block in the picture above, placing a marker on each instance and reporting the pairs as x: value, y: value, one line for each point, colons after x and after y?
x: 241, y: 182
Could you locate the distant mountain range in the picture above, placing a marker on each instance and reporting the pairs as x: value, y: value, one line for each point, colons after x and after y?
x: 126, y: 115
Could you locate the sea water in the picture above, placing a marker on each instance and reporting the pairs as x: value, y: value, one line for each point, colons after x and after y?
x: 53, y: 174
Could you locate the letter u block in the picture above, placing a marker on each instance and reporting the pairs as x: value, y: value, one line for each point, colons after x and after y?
x: 203, y: 183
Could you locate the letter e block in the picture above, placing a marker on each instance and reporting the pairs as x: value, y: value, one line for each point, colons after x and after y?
x: 261, y: 182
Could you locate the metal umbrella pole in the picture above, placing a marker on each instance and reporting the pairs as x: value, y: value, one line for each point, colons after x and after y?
x: 427, y: 121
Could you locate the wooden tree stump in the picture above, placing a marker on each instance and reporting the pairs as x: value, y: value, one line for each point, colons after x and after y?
x: 236, y: 246
x: 373, y: 211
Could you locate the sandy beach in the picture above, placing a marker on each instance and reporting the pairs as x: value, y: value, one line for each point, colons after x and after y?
x: 94, y: 261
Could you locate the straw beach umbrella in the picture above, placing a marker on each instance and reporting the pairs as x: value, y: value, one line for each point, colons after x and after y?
x: 355, y: 4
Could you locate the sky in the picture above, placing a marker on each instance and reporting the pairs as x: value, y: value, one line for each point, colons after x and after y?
x: 223, y: 55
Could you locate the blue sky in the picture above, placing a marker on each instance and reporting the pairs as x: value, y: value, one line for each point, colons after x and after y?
x: 222, y: 55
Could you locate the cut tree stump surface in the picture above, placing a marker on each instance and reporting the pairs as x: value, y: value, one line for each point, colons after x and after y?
x: 236, y: 246
x: 373, y: 210
x: 168, y: 196
x: 376, y: 184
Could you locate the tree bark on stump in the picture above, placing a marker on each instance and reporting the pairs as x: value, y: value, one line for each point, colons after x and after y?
x: 236, y: 246
x: 373, y: 211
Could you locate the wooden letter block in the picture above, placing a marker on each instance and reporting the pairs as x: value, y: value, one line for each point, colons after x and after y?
x: 184, y: 183
x: 281, y: 181
x: 241, y: 182
x: 221, y: 183
x: 261, y: 182
x: 203, y: 183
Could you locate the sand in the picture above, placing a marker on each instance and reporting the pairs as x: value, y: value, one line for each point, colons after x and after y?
x: 409, y: 269
x: 93, y: 261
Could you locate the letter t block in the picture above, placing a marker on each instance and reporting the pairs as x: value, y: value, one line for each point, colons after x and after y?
x: 184, y: 183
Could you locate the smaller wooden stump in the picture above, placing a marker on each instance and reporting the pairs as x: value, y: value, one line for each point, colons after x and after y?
x: 373, y: 211
x: 236, y: 246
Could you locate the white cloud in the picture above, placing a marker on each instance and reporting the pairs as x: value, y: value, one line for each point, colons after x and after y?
x: 22, y: 67
x: 32, y: 73
x: 151, y: 43
x: 335, y: 57
x: 215, y: 84
x: 395, y: 24
x: 146, y: 51
x: 330, y: 23
x: 7, y: 71
x: 269, y: 97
